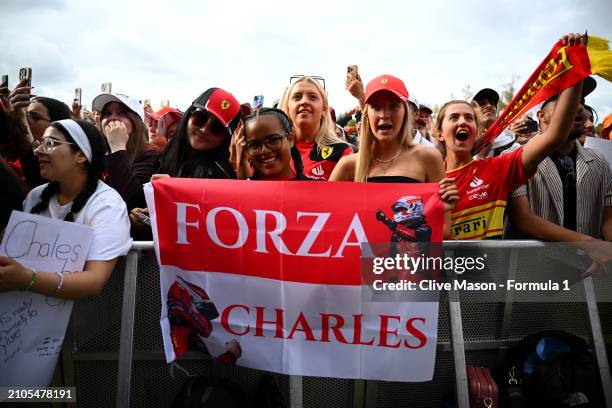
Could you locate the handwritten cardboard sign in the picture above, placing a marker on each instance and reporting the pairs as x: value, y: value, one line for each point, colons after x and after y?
x: 32, y: 326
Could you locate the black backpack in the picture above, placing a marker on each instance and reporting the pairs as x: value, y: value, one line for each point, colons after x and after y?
x: 208, y: 392
x: 567, y: 377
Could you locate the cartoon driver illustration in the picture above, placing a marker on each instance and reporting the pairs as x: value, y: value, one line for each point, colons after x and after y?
x: 190, y: 312
x: 409, y: 226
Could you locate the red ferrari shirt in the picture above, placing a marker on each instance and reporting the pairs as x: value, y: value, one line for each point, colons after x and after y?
x: 483, y: 187
x: 320, y: 161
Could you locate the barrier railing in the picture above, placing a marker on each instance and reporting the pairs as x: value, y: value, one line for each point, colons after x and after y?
x: 133, y: 299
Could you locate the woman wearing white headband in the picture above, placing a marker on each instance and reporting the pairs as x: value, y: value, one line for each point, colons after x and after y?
x: 72, y: 155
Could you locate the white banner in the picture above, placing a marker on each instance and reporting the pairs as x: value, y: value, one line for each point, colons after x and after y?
x: 288, y: 289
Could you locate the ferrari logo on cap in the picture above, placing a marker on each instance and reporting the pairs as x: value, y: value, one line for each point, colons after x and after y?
x: 384, y: 81
x: 225, y: 104
x: 326, y: 151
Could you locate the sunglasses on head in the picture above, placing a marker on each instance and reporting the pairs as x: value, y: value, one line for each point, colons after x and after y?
x: 200, y: 118
x: 320, y: 80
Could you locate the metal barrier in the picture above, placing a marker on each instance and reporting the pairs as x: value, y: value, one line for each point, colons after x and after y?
x: 113, y: 351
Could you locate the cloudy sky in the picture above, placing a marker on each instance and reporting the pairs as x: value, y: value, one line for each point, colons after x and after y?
x: 177, y: 49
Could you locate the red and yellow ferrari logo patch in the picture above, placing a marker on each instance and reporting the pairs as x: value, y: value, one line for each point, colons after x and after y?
x: 384, y: 81
x: 225, y: 104
x: 326, y: 151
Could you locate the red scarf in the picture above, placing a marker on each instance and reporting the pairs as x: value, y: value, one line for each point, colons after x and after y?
x: 563, y: 67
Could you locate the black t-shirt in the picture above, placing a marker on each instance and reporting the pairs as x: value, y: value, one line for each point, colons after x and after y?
x: 566, y: 166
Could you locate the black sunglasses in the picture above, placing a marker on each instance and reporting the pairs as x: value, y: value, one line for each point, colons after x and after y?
x: 568, y: 164
x: 200, y: 118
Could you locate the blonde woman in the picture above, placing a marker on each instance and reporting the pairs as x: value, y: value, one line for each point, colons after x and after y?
x: 386, y: 151
x: 306, y: 104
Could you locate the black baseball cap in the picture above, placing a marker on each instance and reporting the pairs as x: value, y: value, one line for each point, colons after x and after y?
x: 487, y: 93
x: 588, y: 85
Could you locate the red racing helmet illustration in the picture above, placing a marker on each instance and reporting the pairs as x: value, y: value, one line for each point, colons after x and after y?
x: 190, y: 311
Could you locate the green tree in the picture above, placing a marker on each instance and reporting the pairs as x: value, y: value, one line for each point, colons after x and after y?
x: 468, y: 92
x: 507, y: 92
x: 435, y: 109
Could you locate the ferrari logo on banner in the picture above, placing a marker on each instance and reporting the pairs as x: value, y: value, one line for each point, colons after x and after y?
x: 251, y: 263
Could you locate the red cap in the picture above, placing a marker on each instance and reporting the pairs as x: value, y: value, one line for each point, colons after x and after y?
x: 246, y: 109
x: 222, y: 104
x: 157, y: 115
x: 387, y: 83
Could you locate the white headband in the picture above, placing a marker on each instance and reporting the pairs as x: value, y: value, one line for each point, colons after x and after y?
x: 78, y: 135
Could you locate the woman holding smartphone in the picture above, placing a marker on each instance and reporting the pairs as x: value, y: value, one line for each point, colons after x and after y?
x: 72, y: 154
x: 36, y: 115
x: 131, y: 158
x: 305, y: 102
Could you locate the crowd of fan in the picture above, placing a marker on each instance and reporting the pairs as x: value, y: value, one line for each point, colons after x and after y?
x: 555, y: 188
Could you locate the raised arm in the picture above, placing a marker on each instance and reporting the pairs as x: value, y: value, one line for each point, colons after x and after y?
x: 560, y: 123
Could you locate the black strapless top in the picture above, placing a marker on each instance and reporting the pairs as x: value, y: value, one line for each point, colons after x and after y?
x: 392, y: 179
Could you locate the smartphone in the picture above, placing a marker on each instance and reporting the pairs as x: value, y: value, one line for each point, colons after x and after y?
x: 107, y: 88
x: 77, y: 95
x: 352, y: 71
x: 4, y: 81
x: 144, y: 219
x: 27, y: 74
x: 258, y: 102
x: 530, y: 126
x: 165, y: 103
